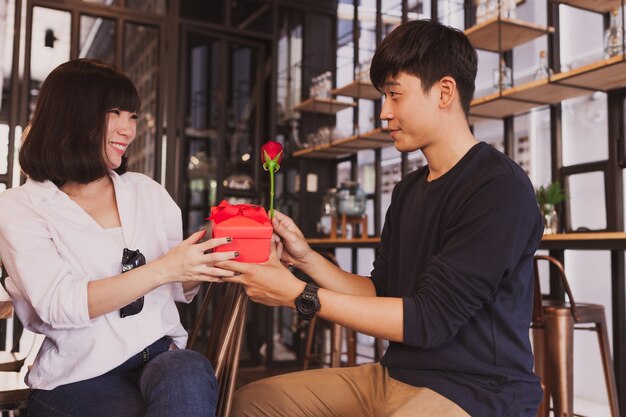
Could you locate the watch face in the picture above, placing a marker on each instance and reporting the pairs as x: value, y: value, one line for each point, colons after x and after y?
x: 307, y: 306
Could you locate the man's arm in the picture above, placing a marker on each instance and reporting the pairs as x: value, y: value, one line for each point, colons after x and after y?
x: 330, y: 276
x: 272, y: 284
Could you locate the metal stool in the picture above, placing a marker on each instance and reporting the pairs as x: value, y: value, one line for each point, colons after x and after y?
x: 553, y: 326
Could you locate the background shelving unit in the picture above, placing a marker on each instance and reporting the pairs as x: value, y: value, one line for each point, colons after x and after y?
x: 502, y: 34
x: 604, y: 75
x: 323, y: 105
x: 375, y: 139
x: 598, y: 6
x: 358, y: 89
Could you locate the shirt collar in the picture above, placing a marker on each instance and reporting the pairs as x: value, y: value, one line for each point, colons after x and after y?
x: 46, y: 190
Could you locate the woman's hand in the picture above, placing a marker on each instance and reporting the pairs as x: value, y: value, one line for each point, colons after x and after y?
x: 292, y: 249
x: 193, y: 261
x: 268, y: 283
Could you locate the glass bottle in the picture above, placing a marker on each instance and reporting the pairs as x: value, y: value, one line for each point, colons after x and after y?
x: 508, y: 9
x: 613, y: 41
x: 328, y: 211
x: 481, y: 11
x: 491, y: 9
x: 351, y: 199
x: 502, y: 76
x: 550, y: 219
x: 543, y: 71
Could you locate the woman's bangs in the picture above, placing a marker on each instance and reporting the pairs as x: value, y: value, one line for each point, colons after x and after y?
x: 123, y: 95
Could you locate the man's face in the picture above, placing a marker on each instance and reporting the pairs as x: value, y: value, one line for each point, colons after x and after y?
x: 409, y: 112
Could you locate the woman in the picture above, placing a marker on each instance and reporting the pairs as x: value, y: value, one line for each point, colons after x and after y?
x: 95, y: 260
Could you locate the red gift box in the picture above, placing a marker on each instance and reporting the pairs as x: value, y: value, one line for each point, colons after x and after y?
x: 249, y: 227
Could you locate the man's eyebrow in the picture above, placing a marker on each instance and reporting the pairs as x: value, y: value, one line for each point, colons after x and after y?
x: 390, y: 84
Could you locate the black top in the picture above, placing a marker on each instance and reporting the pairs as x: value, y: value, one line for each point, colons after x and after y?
x: 459, y: 251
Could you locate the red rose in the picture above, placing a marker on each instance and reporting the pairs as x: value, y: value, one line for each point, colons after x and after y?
x: 271, y: 155
x: 271, y: 151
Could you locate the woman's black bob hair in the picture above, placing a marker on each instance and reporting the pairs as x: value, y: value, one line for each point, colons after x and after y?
x: 65, y: 139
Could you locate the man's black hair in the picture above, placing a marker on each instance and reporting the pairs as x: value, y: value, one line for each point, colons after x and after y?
x: 429, y: 51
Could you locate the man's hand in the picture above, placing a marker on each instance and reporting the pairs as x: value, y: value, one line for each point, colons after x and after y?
x: 268, y: 283
x: 294, y: 250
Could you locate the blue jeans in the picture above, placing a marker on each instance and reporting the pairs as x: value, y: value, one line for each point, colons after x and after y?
x: 154, y: 383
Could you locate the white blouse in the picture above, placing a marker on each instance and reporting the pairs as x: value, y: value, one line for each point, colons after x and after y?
x: 51, y: 248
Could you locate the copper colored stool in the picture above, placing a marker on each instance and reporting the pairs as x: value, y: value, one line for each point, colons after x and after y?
x: 336, y: 338
x: 337, y: 334
x: 553, y: 325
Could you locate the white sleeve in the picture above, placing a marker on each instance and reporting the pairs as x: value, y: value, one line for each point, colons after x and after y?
x: 56, y: 291
x: 172, y: 220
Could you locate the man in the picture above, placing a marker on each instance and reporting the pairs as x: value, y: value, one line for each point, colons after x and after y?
x: 451, y: 287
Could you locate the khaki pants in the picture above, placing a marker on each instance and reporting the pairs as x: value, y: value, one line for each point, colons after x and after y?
x: 365, y: 390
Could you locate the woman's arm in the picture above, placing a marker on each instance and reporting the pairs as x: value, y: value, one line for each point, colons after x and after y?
x: 186, y: 263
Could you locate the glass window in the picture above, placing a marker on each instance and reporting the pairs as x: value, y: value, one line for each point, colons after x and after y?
x: 3, y: 187
x: 452, y: 13
x: 579, y: 47
x: 391, y: 11
x: 241, y: 120
x: 490, y: 131
x: 97, y: 38
x: 152, y: 6
x: 487, y: 64
x: 50, y: 46
x: 141, y: 64
x: 585, y: 129
x: 585, y: 193
x: 418, y: 9
x: 538, y: 131
x: 367, y: 32
x: 202, y: 125
x: 345, y: 46
x: 289, y: 78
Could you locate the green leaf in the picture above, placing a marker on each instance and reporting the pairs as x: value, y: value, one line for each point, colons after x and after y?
x: 552, y: 194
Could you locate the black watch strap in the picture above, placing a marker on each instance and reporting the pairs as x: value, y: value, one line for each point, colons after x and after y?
x: 307, y: 303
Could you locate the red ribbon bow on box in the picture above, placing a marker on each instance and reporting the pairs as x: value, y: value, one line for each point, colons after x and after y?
x: 225, y: 211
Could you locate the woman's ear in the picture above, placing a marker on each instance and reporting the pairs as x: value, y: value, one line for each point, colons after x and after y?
x: 447, y: 91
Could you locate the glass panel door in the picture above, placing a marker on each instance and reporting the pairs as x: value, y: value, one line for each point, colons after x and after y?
x: 221, y: 124
x: 202, y: 126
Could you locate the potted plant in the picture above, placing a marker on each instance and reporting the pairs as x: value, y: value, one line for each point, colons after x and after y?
x: 547, y: 198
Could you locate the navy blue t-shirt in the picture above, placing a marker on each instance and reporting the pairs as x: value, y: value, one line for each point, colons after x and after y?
x: 459, y: 251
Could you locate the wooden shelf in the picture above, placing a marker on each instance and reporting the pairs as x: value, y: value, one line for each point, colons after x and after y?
x: 598, y: 6
x: 501, y: 34
x: 604, y: 75
x: 374, y: 139
x: 495, y: 106
x: 520, y: 99
x: 323, y: 105
x: 358, y: 89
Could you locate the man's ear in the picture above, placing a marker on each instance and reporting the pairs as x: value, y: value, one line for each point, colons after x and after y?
x: 447, y: 91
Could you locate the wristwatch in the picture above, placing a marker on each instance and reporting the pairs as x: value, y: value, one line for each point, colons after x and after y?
x: 307, y: 303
